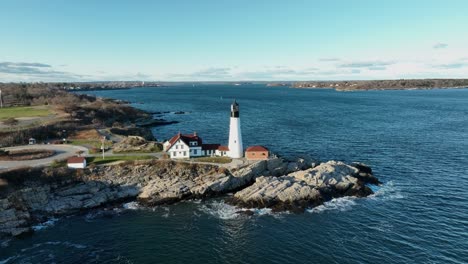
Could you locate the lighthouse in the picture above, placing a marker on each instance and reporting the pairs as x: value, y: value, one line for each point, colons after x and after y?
x: 235, y: 136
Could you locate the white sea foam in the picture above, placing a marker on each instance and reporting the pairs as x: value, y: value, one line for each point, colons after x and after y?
x: 131, y: 206
x: 221, y: 210
x: 4, y: 243
x: 387, y: 191
x: 45, y: 224
x: 98, y: 213
x: 196, y: 201
x: 74, y: 245
x: 7, y: 260
x: 167, y: 212
x: 341, y: 204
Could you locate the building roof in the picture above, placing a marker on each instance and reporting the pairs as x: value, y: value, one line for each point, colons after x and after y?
x: 76, y: 160
x: 256, y: 149
x: 223, y: 148
x: 185, y: 138
x: 210, y: 146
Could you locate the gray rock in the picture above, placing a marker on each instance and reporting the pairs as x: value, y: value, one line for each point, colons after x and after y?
x: 303, y: 188
x: 277, y: 166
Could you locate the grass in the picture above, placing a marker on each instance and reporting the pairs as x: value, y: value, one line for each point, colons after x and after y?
x: 151, y: 150
x: 91, y: 143
x: 58, y: 164
x: 24, y: 111
x: 100, y: 161
x: 214, y: 159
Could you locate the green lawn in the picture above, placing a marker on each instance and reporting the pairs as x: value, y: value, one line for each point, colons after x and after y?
x: 58, y: 163
x: 90, y: 143
x: 24, y: 111
x: 100, y: 161
x: 214, y: 159
x: 151, y: 150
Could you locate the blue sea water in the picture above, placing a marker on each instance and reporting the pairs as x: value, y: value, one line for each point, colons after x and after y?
x: 416, y: 141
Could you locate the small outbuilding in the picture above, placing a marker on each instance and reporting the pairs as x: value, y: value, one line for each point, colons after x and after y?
x: 257, y: 153
x: 32, y: 141
x: 76, y: 162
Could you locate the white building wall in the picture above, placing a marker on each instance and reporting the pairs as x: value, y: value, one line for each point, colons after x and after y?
x: 179, y: 150
x: 77, y: 165
x: 236, y: 149
x: 196, y: 152
x: 221, y: 153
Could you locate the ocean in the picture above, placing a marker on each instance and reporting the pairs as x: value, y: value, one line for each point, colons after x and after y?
x: 416, y: 141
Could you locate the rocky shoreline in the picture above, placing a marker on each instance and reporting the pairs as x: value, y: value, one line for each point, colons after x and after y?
x: 31, y: 196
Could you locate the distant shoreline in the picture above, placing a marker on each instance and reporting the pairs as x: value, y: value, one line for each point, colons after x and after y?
x: 382, y: 85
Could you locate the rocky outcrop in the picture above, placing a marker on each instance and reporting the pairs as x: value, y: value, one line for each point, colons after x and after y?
x: 13, y: 221
x: 136, y: 144
x: 301, y: 189
x: 30, y: 204
x: 32, y: 195
x: 215, y: 182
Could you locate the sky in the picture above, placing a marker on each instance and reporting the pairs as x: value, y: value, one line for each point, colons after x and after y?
x: 224, y: 40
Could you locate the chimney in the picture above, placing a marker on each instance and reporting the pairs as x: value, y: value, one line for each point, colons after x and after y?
x: 195, y: 133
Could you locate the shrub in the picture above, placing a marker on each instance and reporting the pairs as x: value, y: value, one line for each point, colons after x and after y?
x: 10, y: 121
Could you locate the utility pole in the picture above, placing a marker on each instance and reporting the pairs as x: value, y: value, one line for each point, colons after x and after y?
x: 102, y: 145
x: 1, y: 99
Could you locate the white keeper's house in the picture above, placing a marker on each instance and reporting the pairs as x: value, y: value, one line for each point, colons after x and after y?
x: 189, y: 146
x: 183, y: 146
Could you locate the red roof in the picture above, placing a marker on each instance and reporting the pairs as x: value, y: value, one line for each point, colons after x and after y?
x: 185, y: 138
x: 256, y: 149
x: 223, y: 148
x: 210, y: 146
x: 76, y: 160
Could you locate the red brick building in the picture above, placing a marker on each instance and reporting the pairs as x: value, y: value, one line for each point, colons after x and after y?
x: 256, y: 153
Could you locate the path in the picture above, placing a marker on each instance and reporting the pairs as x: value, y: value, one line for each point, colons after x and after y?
x: 62, y: 152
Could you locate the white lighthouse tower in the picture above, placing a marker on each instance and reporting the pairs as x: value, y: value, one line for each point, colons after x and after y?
x: 235, y: 136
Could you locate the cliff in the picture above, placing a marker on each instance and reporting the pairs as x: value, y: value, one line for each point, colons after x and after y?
x: 30, y: 196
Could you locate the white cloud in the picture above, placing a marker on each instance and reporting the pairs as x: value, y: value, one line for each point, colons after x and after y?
x: 440, y: 45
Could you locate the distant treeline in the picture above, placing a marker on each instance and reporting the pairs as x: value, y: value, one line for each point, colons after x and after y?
x: 402, y: 84
x: 81, y: 110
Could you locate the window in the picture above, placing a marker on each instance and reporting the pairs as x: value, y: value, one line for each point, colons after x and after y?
x: 194, y: 151
x: 185, y: 153
x: 174, y: 154
x: 177, y: 147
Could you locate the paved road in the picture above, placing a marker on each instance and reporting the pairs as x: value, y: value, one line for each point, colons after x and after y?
x: 65, y: 151
x: 61, y: 152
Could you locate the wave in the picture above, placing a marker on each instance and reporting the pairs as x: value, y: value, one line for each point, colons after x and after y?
x: 48, y: 252
x: 387, y: 191
x: 4, y: 243
x: 167, y: 212
x: 7, y: 260
x: 224, y: 211
x: 131, y: 206
x: 219, y: 209
x: 102, y: 213
x: 341, y: 204
x: 49, y: 223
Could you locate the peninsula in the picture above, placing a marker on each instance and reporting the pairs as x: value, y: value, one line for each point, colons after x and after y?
x: 188, y: 169
x: 400, y: 84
